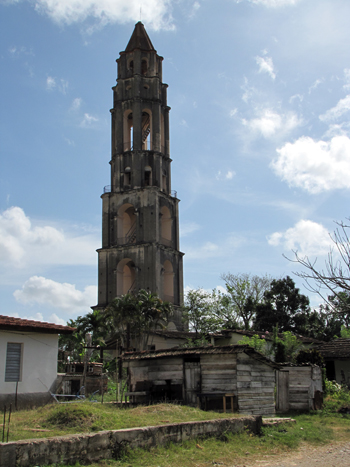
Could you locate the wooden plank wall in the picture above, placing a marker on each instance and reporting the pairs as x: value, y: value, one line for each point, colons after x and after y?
x: 300, y: 397
x: 156, y: 371
x: 255, y: 386
x: 219, y: 373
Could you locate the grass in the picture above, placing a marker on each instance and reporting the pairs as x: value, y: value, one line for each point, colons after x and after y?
x: 238, y: 449
x: 87, y: 417
x: 311, y: 429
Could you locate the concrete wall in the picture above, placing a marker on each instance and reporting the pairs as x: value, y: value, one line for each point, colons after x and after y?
x: 88, y: 448
x: 38, y: 372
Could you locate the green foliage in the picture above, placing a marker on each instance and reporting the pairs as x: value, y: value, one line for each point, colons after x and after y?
x: 310, y: 356
x: 255, y: 342
x: 206, y: 312
x: 283, y: 305
x: 332, y: 388
x: 245, y: 291
x: 73, y: 345
x: 345, y: 332
x: 134, y: 315
x: 75, y: 416
x: 337, y: 397
x: 200, y: 342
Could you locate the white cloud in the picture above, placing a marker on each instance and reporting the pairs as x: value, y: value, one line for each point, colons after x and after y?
x: 195, y: 7
x: 315, y: 166
x: 50, y: 83
x: 57, y: 320
x: 76, y: 104
x: 155, y: 13
x: 296, y: 96
x: 307, y: 237
x: 17, y: 235
x: 266, y: 66
x: 336, y: 112
x: 22, y: 244
x: 315, y: 85
x: 225, y: 176
x: 248, y: 91
x: 15, y: 51
x: 273, y: 3
x: 187, y: 228
x: 59, y: 295
x: 270, y: 122
x: 213, y: 250
x: 347, y: 78
x: 88, y: 120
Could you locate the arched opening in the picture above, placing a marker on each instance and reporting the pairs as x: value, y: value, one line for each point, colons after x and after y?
x: 126, y: 224
x: 148, y: 176
x: 131, y: 67
x: 165, y: 226
x: 126, y: 275
x: 144, y: 66
x: 168, y: 282
x: 127, y: 177
x: 146, y: 130
x: 128, y: 130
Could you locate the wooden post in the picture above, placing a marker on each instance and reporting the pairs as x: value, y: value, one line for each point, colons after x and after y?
x: 16, y: 395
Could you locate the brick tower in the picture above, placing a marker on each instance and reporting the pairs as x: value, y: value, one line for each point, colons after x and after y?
x: 140, y: 221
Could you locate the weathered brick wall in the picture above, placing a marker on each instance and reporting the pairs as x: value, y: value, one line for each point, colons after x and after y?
x: 92, y: 447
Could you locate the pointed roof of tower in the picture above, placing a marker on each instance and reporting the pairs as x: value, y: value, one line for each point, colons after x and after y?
x: 139, y: 39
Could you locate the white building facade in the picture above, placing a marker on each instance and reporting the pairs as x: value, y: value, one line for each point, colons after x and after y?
x: 28, y: 361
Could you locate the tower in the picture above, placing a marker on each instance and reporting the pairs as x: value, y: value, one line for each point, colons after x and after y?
x: 140, y: 221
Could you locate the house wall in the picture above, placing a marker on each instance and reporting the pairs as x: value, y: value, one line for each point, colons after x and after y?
x: 255, y: 386
x: 303, y: 382
x: 252, y: 382
x: 38, y: 368
x: 162, y: 377
x: 342, y: 366
x: 161, y: 342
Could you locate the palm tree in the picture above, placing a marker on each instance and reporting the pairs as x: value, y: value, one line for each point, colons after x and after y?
x: 135, y: 315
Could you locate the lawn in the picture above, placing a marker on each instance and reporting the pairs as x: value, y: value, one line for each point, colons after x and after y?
x: 314, y: 428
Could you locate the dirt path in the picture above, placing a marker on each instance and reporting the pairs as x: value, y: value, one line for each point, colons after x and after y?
x: 331, y: 455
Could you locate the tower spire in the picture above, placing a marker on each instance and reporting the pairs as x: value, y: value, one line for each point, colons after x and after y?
x: 139, y: 39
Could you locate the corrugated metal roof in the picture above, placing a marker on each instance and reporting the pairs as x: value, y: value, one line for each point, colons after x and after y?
x: 7, y: 323
x: 207, y: 350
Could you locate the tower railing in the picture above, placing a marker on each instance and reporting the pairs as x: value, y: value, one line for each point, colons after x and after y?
x: 107, y: 189
x: 174, y: 193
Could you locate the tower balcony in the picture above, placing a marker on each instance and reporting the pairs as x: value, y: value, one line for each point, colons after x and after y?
x: 108, y: 189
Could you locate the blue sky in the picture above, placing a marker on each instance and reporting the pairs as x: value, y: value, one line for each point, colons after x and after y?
x: 260, y: 137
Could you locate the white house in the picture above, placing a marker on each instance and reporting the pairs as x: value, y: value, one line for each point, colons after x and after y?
x: 28, y: 361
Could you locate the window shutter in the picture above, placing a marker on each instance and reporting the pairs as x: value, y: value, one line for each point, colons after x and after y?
x: 13, y: 362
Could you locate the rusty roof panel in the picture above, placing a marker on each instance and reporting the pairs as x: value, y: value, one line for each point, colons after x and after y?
x: 8, y: 323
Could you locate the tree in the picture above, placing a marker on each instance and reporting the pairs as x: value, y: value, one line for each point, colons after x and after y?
x: 332, y: 280
x: 135, y: 315
x: 202, y: 311
x: 74, y: 345
x: 246, y: 291
x: 283, y: 305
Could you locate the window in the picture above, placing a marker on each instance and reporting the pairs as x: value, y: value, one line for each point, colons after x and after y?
x: 13, y: 362
x: 144, y: 67
x: 148, y: 176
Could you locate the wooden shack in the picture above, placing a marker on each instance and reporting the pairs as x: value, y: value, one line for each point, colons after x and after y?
x: 299, y: 387
x: 209, y: 377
